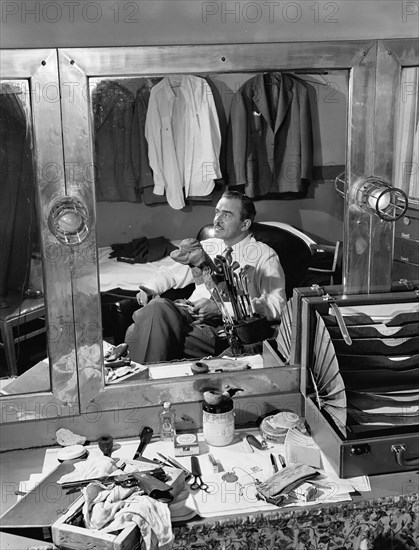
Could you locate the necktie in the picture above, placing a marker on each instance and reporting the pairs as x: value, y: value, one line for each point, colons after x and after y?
x: 228, y: 255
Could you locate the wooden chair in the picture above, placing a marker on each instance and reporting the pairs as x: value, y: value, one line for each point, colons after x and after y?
x: 12, y: 325
x: 327, y: 263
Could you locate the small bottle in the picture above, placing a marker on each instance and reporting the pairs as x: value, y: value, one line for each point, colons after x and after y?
x: 167, y: 420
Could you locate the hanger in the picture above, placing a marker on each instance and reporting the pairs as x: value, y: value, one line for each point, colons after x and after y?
x: 175, y: 80
x: 321, y: 75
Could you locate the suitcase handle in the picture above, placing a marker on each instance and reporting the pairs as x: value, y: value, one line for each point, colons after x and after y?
x: 399, y: 451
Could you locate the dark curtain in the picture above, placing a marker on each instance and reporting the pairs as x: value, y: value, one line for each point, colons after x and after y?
x: 17, y: 194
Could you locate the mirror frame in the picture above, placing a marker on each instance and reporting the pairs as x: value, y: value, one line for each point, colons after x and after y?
x: 78, y: 65
x: 40, y: 68
x: 371, y: 270
x: 393, y: 57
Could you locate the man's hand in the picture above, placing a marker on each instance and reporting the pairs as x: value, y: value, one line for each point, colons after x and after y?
x: 206, y: 311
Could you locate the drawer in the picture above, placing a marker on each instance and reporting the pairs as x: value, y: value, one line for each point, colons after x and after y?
x: 69, y: 533
x: 406, y: 250
x: 403, y: 270
x: 407, y: 227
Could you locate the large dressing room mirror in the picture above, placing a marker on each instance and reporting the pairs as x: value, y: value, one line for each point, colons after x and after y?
x: 104, y: 103
x: 406, y: 176
x: 97, y: 83
x: 130, y: 210
x: 407, y: 139
x: 22, y: 306
x: 37, y: 325
x: 21, y: 286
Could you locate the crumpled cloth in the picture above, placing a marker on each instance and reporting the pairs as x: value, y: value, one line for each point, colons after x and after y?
x: 112, y: 509
x: 91, y: 468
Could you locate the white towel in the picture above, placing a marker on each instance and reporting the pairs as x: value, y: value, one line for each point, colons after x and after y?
x: 91, y: 468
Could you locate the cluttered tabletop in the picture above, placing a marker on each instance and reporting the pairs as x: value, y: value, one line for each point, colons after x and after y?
x: 251, y: 474
x: 187, y: 478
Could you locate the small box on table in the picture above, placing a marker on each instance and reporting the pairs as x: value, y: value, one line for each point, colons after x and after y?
x: 186, y: 444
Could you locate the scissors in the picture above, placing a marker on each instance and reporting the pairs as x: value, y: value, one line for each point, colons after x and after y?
x: 196, y: 472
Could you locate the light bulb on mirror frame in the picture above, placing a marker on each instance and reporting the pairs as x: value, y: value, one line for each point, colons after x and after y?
x: 375, y: 196
x: 379, y: 200
x: 68, y: 220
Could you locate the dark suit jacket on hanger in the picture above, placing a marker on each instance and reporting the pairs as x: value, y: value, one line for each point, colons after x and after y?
x: 269, y: 139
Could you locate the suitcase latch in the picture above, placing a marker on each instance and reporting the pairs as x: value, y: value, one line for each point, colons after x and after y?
x: 358, y: 450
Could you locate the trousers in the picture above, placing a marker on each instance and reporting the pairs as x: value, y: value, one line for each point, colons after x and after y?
x: 163, y: 331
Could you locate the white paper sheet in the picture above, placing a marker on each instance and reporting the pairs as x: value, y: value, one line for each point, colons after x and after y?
x: 231, y: 498
x: 379, y: 312
x: 224, y: 497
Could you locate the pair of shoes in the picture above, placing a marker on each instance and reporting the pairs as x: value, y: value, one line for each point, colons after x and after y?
x: 117, y: 352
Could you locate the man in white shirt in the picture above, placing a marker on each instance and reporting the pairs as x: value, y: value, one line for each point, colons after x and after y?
x: 164, y: 330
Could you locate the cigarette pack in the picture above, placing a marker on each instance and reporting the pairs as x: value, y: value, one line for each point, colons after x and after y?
x: 186, y: 444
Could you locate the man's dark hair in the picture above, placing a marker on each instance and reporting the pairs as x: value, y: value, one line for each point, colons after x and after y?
x: 247, y: 207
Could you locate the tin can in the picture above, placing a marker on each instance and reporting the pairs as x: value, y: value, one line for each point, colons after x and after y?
x: 218, y: 423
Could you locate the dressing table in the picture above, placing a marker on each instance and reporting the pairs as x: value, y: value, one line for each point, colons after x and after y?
x: 387, y: 516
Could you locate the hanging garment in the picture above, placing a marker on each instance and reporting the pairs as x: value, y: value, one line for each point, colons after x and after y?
x: 184, y: 139
x: 269, y: 136
x: 113, y: 110
x: 139, y: 148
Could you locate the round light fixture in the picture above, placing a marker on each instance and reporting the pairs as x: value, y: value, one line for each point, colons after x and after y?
x: 375, y: 196
x: 68, y: 220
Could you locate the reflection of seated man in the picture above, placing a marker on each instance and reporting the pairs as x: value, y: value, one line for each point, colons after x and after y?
x: 165, y: 330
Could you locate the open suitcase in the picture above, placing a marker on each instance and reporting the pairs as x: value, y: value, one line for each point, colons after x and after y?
x: 360, y: 378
